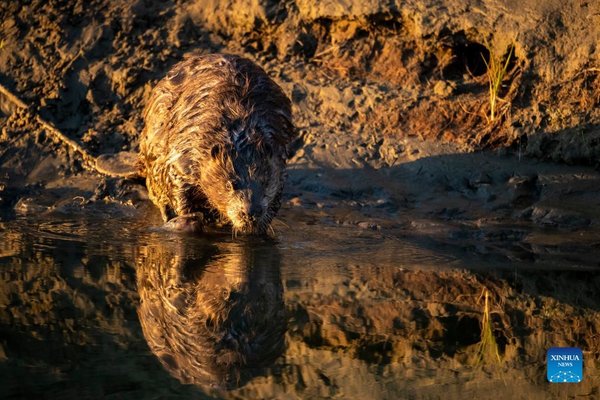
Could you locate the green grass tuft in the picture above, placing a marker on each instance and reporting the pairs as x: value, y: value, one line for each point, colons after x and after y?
x: 496, y: 72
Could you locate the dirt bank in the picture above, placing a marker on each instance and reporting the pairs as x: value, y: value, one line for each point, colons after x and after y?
x: 391, y: 100
x: 396, y: 70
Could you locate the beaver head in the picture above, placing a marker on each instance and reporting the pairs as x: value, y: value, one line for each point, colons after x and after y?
x: 244, y: 180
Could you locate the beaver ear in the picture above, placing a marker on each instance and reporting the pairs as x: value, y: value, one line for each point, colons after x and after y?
x: 215, y: 151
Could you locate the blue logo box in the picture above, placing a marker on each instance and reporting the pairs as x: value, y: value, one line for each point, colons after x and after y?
x: 564, y: 365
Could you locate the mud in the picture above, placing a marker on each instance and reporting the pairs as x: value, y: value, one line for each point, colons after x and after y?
x: 404, y: 204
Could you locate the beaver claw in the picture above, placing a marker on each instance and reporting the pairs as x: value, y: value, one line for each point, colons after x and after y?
x: 189, y: 223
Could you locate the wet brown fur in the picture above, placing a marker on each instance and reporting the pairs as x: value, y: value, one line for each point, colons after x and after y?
x: 216, y: 135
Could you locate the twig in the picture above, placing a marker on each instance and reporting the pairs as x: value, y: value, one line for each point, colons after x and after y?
x: 13, y: 99
x: 50, y: 128
x: 89, y: 161
x: 327, y: 50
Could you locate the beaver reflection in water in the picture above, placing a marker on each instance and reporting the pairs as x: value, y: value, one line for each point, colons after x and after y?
x: 212, y: 313
x: 215, y: 143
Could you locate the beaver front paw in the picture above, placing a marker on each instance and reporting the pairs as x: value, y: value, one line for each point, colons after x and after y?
x: 188, y: 223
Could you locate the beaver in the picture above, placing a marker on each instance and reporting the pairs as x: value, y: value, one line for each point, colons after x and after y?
x: 212, y: 312
x: 215, y: 142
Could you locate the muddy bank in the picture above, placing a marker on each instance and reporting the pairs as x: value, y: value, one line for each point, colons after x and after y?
x: 391, y: 227
x: 396, y: 70
x: 372, y: 85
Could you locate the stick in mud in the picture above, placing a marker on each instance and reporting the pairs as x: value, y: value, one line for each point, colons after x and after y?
x: 103, y: 165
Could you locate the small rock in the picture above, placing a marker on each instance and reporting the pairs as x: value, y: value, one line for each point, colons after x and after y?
x: 28, y: 206
x: 368, y: 225
x: 295, y: 202
x: 524, y: 189
x: 558, y: 218
x: 443, y: 88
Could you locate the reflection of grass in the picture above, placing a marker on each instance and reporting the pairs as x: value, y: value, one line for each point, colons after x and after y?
x: 488, y: 348
x: 496, y: 71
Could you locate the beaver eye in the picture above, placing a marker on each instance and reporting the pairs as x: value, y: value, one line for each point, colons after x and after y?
x: 229, y: 186
x: 215, y: 151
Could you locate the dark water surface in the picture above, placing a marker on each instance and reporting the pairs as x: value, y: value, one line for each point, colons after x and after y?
x: 108, y: 307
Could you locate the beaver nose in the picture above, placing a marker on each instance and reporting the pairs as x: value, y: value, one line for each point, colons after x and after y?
x: 251, y: 210
x: 248, y: 217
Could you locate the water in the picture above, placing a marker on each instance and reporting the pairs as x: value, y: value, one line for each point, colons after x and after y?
x: 102, y: 305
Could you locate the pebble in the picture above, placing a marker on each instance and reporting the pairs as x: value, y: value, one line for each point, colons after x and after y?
x: 295, y: 202
x: 443, y: 88
x: 368, y: 225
